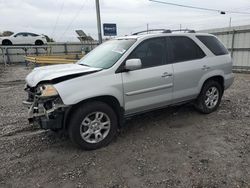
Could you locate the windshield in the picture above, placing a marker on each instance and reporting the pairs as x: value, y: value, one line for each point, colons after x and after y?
x: 107, y: 54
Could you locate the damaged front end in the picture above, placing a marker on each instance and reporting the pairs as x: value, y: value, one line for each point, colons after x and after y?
x: 45, y: 107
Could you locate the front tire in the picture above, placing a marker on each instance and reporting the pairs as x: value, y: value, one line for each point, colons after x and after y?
x: 93, y: 125
x: 6, y: 43
x: 210, y: 97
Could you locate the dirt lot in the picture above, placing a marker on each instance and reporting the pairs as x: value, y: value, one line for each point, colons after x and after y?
x: 174, y: 147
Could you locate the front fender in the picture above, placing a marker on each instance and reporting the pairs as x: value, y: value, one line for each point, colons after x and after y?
x: 94, y: 85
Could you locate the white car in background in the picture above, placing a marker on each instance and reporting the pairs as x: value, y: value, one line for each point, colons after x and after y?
x: 23, y: 38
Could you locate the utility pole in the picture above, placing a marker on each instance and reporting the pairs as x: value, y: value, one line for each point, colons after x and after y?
x: 230, y: 22
x: 98, y: 21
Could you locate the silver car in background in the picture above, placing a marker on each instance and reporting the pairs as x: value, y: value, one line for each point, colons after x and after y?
x: 126, y: 76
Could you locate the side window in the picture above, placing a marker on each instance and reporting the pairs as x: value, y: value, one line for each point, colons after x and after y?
x: 213, y: 44
x: 185, y: 49
x: 151, y: 52
x: 33, y: 34
x: 21, y: 35
x: 18, y: 34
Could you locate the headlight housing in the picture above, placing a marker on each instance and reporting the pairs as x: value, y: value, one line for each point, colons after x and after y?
x: 48, y: 91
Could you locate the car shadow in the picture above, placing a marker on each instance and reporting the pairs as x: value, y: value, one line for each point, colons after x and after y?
x: 155, y: 116
x: 146, y: 121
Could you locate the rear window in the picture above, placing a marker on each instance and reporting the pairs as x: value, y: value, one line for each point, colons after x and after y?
x: 213, y: 44
x: 185, y: 49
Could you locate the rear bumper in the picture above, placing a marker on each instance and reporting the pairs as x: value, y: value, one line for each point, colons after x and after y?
x: 228, y: 80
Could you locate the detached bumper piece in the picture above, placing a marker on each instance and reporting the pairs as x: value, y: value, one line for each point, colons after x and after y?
x: 55, y: 121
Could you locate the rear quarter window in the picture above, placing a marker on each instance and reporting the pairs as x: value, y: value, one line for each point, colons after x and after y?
x: 185, y: 49
x: 213, y: 44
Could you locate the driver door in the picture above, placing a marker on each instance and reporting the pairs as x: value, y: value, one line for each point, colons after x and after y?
x: 151, y: 86
x: 18, y: 38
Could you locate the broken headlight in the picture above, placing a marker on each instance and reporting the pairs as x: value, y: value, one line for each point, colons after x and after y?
x: 48, y: 91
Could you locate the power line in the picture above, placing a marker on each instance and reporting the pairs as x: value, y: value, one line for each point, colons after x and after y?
x: 202, y: 18
x: 200, y: 8
x: 57, y: 19
x: 73, y: 19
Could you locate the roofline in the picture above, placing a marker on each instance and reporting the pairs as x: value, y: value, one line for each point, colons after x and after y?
x: 161, y: 34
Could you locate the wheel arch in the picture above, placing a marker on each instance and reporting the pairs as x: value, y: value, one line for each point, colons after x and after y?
x: 6, y: 40
x: 199, y: 102
x: 108, y: 99
x: 39, y: 41
x: 216, y: 76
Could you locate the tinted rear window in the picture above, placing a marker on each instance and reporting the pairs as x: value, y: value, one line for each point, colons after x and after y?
x: 213, y: 44
x: 185, y: 49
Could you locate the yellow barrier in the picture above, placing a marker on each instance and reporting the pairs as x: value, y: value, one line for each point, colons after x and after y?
x: 53, y: 59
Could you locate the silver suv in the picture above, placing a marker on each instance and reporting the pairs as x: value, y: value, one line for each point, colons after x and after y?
x: 126, y: 76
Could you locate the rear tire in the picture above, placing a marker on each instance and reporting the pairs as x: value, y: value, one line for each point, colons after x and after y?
x: 93, y: 125
x: 210, y: 97
x: 39, y: 43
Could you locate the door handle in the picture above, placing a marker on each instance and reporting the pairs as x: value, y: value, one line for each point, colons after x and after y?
x: 205, y: 67
x: 166, y: 74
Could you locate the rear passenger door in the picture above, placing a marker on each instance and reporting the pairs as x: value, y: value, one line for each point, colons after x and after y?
x: 30, y: 39
x: 152, y: 85
x: 188, y: 61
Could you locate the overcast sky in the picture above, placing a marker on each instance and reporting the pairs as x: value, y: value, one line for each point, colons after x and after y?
x: 60, y: 18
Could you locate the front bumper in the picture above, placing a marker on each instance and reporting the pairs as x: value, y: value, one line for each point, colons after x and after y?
x: 46, y: 113
x: 49, y: 123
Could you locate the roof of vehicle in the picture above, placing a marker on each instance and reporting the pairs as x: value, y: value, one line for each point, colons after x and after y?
x: 149, y: 35
x: 25, y: 33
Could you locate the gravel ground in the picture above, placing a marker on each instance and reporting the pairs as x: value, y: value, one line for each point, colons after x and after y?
x: 173, y: 147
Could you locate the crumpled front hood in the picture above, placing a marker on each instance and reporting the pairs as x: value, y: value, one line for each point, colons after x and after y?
x: 49, y: 73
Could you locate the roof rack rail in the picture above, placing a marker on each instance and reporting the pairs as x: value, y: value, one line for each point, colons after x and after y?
x: 165, y: 31
x: 185, y: 30
x: 149, y: 30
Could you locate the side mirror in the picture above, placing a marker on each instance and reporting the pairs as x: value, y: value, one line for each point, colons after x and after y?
x: 132, y: 64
